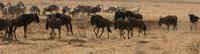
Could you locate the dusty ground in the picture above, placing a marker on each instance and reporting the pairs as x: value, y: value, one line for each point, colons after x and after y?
x: 181, y: 41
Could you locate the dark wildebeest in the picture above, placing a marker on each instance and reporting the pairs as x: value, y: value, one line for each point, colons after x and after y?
x: 100, y: 22
x: 23, y: 20
x: 169, y: 20
x: 4, y: 25
x: 125, y: 14
x: 66, y: 20
x: 122, y: 24
x: 193, y: 21
x: 137, y: 23
x: 50, y: 9
x: 65, y: 9
x: 34, y: 9
x: 53, y: 22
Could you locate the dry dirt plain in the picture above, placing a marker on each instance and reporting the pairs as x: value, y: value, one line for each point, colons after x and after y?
x: 181, y: 41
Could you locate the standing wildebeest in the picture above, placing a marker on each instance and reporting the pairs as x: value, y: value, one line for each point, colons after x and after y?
x: 34, y: 9
x: 193, y: 21
x: 122, y: 24
x: 65, y: 9
x: 53, y: 22
x: 169, y: 20
x: 66, y: 20
x: 100, y: 22
x: 137, y: 23
x: 4, y: 25
x: 23, y: 20
x: 50, y: 9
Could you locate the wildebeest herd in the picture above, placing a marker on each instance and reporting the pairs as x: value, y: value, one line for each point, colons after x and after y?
x: 123, y: 19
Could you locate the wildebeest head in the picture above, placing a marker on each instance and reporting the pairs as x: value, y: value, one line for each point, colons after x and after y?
x: 48, y: 21
x: 160, y: 21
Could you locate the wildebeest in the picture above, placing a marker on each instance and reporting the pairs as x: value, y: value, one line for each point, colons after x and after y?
x: 169, y: 20
x: 65, y: 9
x: 122, y: 24
x: 66, y: 20
x: 50, y: 9
x: 100, y: 22
x: 4, y: 25
x: 125, y: 14
x: 23, y: 20
x: 193, y: 21
x: 53, y: 22
x: 34, y: 9
x: 137, y: 23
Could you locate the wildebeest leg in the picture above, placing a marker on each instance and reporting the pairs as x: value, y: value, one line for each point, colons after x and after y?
x: 6, y: 32
x: 59, y: 33
x: 25, y: 30
x: 132, y: 33
x: 167, y: 28
x: 190, y: 26
x: 139, y: 31
x: 195, y: 25
x: 101, y: 32
x: 94, y: 30
x: 67, y: 28
x: 71, y: 28
x: 97, y: 32
x: 128, y: 33
x: 144, y: 33
x: 15, y: 27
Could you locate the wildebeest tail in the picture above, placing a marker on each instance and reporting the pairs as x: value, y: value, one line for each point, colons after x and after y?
x: 108, y: 28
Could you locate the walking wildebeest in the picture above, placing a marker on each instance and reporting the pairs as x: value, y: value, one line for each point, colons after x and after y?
x: 23, y: 20
x: 137, y: 23
x: 193, y: 21
x: 100, y: 22
x: 66, y: 20
x: 53, y: 22
x: 4, y: 25
x: 122, y: 24
x: 34, y: 9
x: 169, y: 20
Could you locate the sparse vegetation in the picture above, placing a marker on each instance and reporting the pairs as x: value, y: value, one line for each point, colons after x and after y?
x: 193, y: 48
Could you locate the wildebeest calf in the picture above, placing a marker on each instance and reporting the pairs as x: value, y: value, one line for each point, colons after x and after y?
x: 169, y: 20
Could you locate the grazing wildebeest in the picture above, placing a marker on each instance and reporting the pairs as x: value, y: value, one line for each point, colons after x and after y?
x: 50, y: 9
x: 136, y: 9
x: 169, y: 20
x: 23, y: 20
x: 4, y: 25
x: 100, y: 22
x: 53, y: 22
x: 122, y: 24
x: 34, y: 9
x: 137, y: 23
x: 193, y: 21
x: 66, y: 20
x: 65, y: 9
